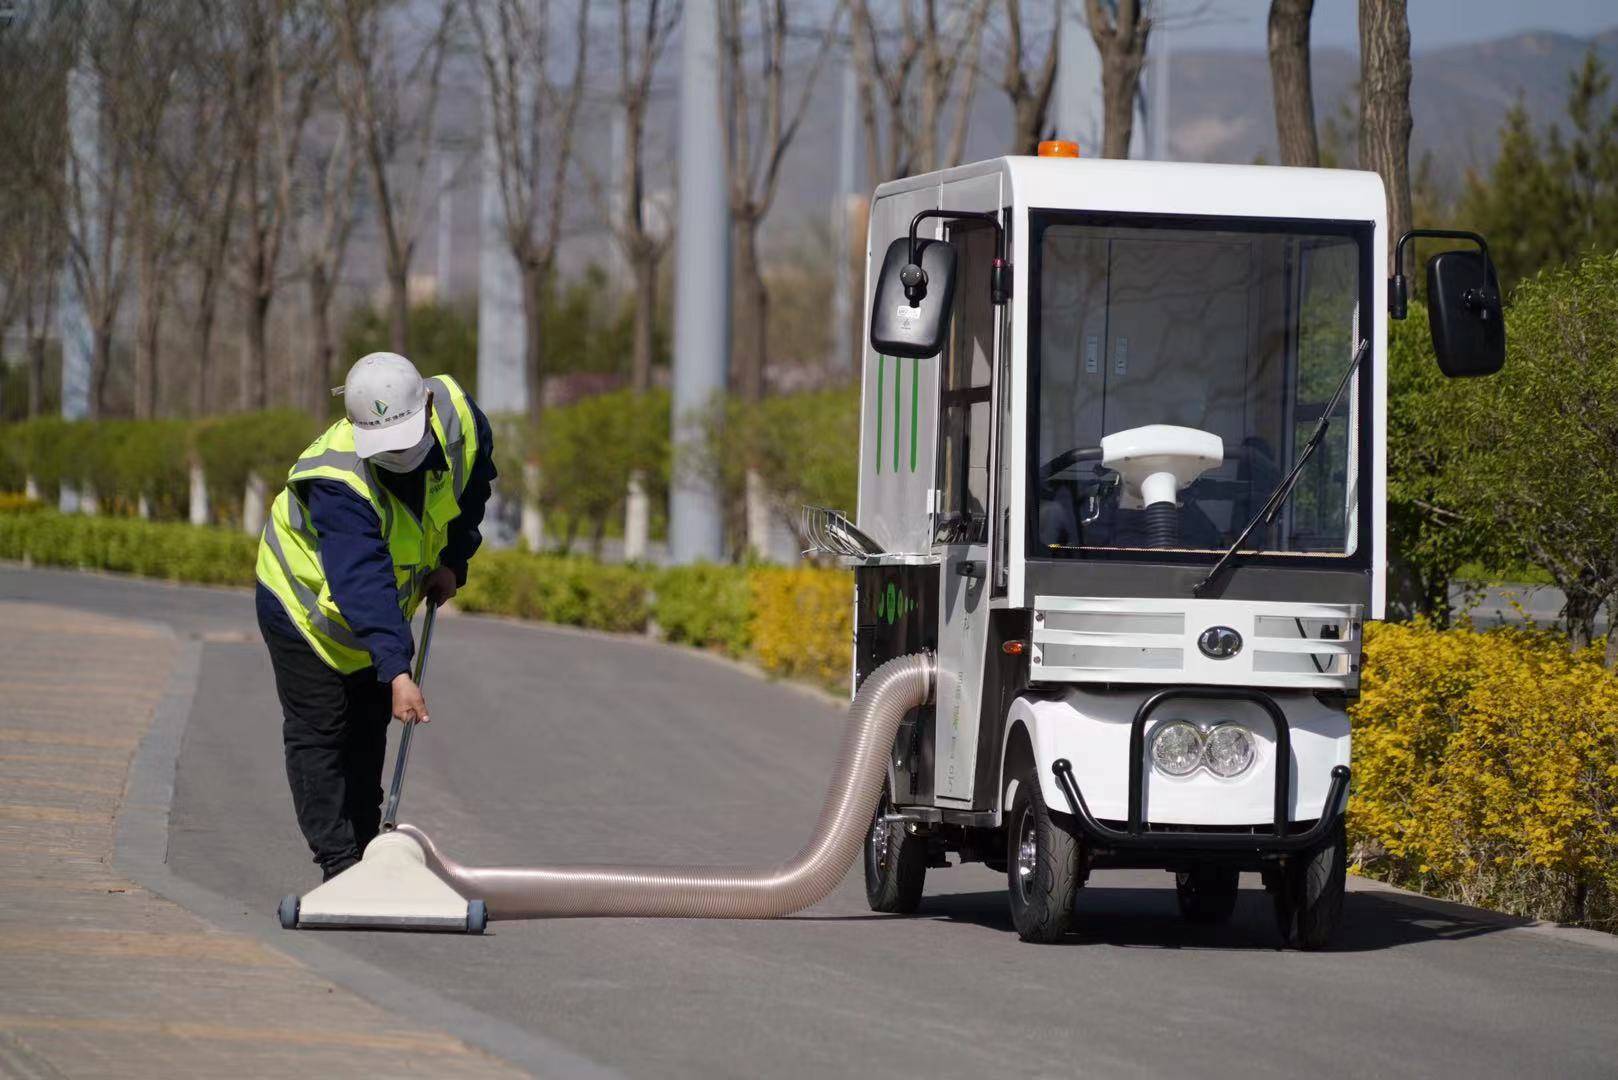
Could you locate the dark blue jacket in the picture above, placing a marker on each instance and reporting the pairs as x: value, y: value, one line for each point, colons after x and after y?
x: 358, y: 565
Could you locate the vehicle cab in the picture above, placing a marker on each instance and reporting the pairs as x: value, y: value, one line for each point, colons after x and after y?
x: 1122, y: 470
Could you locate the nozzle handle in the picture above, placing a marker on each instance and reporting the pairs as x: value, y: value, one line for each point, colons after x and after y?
x: 390, y: 815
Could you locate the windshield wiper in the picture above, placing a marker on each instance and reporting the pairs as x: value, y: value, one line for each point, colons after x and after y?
x: 1278, y: 497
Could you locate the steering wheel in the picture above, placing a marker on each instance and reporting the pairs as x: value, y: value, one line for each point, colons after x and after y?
x: 1067, y: 459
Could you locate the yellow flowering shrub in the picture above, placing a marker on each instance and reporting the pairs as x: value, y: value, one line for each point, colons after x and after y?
x: 1486, y: 771
x: 802, y: 624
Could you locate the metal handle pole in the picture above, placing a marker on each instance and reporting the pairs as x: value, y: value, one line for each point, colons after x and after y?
x: 390, y: 816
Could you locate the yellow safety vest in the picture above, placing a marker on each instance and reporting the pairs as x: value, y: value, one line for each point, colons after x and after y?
x: 289, y: 553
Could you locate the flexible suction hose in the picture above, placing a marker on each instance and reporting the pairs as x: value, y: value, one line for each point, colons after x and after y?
x: 723, y: 892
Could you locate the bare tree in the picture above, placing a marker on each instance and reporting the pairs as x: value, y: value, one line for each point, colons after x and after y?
x: 206, y: 175
x: 139, y: 117
x: 761, y: 127
x: 94, y: 198
x: 390, y: 88
x: 1291, y: 83
x: 642, y: 33
x: 532, y: 120
x: 325, y: 199
x: 1385, y: 121
x: 1028, y: 81
x: 1120, y: 29
x: 908, y: 81
x: 641, y: 39
x: 273, y: 56
x: 33, y: 66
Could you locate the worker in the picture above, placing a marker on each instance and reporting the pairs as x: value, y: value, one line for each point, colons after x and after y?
x: 380, y: 512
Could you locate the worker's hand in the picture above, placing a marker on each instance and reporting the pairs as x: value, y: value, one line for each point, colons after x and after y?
x: 408, y: 704
x: 440, y: 585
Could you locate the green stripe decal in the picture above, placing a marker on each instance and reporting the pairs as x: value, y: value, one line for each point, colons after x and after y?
x: 915, y: 400
x: 898, y: 388
x: 881, y: 382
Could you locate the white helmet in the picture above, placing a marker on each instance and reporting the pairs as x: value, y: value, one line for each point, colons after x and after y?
x: 386, y: 401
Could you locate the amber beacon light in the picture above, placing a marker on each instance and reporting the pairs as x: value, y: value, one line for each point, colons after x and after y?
x: 1058, y: 148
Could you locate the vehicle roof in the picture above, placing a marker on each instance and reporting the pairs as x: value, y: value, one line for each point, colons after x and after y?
x: 1172, y: 187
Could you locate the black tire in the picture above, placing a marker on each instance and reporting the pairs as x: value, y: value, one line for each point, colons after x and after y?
x: 289, y: 912
x: 477, y: 917
x: 895, y: 864
x: 1207, y: 894
x: 1309, y: 902
x: 1042, y: 864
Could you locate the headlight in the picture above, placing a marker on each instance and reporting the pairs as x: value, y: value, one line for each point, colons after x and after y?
x: 1177, y: 748
x: 1228, y: 750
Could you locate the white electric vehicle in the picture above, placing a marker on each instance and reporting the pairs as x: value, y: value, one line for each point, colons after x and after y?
x: 1122, y: 472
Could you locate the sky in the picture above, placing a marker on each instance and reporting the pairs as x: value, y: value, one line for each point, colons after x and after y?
x: 1433, y: 23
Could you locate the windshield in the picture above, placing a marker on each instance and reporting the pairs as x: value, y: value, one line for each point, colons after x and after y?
x: 1240, y: 333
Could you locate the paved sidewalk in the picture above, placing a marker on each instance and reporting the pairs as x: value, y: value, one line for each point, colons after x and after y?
x: 99, y: 977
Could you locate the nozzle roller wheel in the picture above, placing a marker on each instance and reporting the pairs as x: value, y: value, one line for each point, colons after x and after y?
x: 289, y: 912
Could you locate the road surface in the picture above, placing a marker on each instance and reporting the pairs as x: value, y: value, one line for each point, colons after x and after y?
x: 549, y: 745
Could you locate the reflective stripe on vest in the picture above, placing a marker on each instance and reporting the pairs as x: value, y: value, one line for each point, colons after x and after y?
x: 289, y: 560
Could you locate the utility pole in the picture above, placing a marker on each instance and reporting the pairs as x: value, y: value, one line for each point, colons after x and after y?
x: 501, y: 386
x: 846, y: 313
x: 446, y: 224
x: 1159, y: 63
x: 73, y: 321
x: 701, y: 287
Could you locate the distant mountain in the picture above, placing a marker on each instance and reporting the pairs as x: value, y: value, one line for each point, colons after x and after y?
x: 1220, y: 107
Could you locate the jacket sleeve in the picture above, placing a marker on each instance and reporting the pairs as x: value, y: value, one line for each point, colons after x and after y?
x: 463, y: 537
x: 359, y: 571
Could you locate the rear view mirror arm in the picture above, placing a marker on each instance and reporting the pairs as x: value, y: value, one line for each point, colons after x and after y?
x: 1398, y: 287
x: 915, y: 278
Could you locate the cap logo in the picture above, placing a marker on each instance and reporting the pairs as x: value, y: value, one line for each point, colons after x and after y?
x: 379, y: 407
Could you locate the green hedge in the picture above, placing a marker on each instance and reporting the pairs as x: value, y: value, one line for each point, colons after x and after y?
x: 165, y: 550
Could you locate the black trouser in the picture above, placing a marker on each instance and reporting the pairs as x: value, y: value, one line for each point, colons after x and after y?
x: 335, y: 728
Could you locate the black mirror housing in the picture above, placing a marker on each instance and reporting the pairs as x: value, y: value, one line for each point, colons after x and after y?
x: 1464, y: 313
x: 910, y: 311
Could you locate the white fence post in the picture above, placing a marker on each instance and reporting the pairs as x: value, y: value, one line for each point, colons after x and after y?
x: 199, y: 495
x: 253, y: 505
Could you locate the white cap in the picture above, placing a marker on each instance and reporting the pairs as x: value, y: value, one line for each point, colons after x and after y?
x: 386, y: 401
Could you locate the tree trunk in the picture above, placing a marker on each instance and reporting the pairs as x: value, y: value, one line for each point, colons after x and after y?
x: 645, y: 323
x: 325, y: 347
x: 1120, y: 34
x: 202, y: 369
x: 1291, y: 83
x: 255, y: 349
x: 100, y: 368
x: 637, y: 501
x: 1385, y: 107
x: 1580, y: 613
x: 148, y: 324
x: 535, y: 280
x: 36, y: 375
x: 753, y: 303
x: 399, y: 310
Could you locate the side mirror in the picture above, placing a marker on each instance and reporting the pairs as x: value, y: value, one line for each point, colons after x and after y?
x: 910, y: 312
x: 1463, y: 309
x: 1463, y: 306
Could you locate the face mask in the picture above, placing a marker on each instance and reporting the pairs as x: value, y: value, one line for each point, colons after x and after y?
x: 406, y: 460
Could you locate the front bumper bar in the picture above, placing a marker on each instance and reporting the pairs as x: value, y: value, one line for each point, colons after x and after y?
x: 1137, y: 836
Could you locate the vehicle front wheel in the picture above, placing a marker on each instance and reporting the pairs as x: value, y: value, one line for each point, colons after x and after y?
x: 1207, y: 894
x: 1309, y: 901
x: 1043, y: 870
x: 895, y: 863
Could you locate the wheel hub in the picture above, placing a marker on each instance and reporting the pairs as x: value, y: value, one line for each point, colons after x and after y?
x: 1027, y: 856
x: 881, y: 838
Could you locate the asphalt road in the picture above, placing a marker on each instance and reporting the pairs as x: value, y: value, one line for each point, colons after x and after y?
x: 548, y: 745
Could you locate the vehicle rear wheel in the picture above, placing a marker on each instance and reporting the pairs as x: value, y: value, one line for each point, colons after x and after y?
x: 895, y: 863
x: 1309, y: 902
x: 1043, y: 870
x: 1207, y: 894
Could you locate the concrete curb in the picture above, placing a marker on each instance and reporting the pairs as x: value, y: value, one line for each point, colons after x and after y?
x: 140, y: 851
